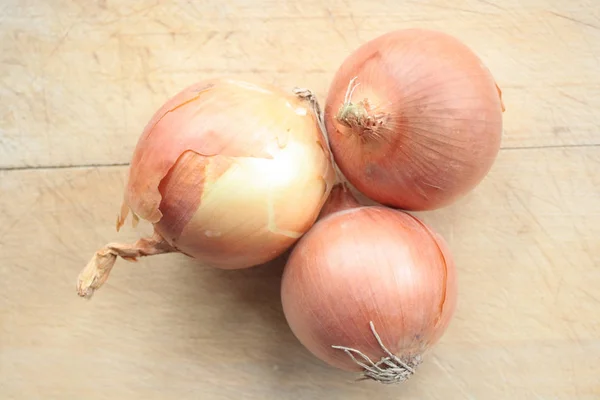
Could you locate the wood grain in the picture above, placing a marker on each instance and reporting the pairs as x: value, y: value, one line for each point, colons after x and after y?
x: 526, y: 242
x: 79, y: 80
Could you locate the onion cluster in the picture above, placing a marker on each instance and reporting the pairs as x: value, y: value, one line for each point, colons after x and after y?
x: 234, y: 173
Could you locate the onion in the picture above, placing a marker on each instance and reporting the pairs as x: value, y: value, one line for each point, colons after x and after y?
x: 231, y: 173
x: 370, y: 289
x: 414, y: 119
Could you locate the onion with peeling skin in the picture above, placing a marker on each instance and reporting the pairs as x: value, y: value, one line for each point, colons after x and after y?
x: 370, y: 289
x: 229, y: 172
x: 414, y: 119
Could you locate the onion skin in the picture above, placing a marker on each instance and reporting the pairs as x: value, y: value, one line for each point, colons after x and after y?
x: 430, y: 128
x: 365, y: 264
x: 229, y: 172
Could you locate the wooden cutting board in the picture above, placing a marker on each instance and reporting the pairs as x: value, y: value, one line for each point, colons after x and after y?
x: 79, y: 80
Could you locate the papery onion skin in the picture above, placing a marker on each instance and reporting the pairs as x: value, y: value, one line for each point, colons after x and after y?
x: 230, y: 172
x: 365, y: 264
x: 434, y: 121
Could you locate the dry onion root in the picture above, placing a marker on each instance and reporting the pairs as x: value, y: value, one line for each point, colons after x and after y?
x: 369, y: 289
x: 229, y: 172
x: 389, y: 369
x: 414, y: 119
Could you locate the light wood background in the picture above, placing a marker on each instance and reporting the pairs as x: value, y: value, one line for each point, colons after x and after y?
x: 79, y: 80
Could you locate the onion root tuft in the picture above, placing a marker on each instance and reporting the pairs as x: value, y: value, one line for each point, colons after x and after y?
x: 388, y: 370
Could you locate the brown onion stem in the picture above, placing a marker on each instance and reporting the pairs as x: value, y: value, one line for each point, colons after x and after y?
x: 358, y: 116
x: 96, y: 272
x: 388, y: 370
x: 309, y: 96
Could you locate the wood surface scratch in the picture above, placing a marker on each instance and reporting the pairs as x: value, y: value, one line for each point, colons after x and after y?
x: 575, y: 20
x: 52, y: 55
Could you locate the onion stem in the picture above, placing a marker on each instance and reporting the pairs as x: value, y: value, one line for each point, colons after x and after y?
x: 309, y: 96
x: 96, y: 272
x: 358, y: 115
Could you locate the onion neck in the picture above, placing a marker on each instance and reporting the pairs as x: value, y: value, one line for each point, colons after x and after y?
x: 340, y: 198
x: 361, y: 119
